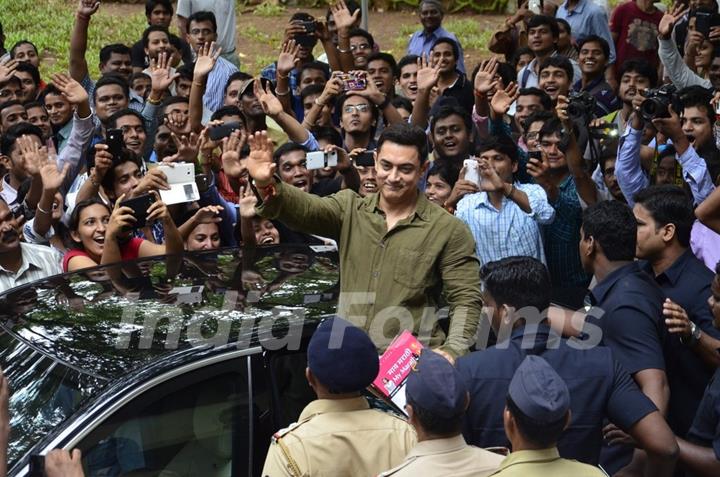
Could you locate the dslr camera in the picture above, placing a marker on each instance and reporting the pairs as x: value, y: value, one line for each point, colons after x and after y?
x: 581, y: 106
x: 658, y: 101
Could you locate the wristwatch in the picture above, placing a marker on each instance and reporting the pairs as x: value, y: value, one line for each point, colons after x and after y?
x: 695, y: 333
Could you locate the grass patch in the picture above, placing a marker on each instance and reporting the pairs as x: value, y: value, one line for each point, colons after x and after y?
x: 267, y: 9
x: 49, y: 24
x: 471, y: 33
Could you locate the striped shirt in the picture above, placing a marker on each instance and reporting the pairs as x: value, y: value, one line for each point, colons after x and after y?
x: 38, y: 262
x: 215, y: 90
x: 508, y: 231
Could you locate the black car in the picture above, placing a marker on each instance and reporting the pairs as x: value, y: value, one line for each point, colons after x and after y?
x: 173, y: 366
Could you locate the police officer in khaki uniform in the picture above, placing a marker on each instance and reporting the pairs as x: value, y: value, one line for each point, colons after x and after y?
x: 537, y: 411
x: 437, y: 398
x: 338, y: 434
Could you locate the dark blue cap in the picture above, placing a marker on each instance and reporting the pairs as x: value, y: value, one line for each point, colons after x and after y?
x: 436, y: 386
x: 342, y: 356
x: 538, y: 391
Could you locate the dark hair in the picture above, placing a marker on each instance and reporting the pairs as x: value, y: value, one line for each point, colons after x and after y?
x: 117, y: 48
x: 387, y: 58
x: 12, y: 79
x: 537, y: 116
x: 613, y: 226
x: 151, y: 29
x: 202, y: 16
x: 558, y: 61
x: 314, y: 65
x: 448, y: 110
x: 112, y: 120
x: 310, y: 90
x: 545, y: 99
x: 231, y: 110
x: 185, y: 72
x: 640, y: 67
x: 176, y: 42
x: 174, y: 100
x: 525, y: 50
x: 551, y: 127
x: 151, y: 4
x: 108, y: 181
x: 540, y: 20
x: 109, y: 79
x: 287, y: 148
x: 237, y: 76
x: 541, y: 434
x: 9, y: 137
x: 518, y: 282
x: 20, y: 43
x: 500, y: 143
x: 30, y: 68
x: 138, y: 75
x: 328, y: 133
x: 402, y: 102
x: 699, y: 97
x: 446, y: 173
x: 452, y: 43
x: 79, y: 207
x: 407, y: 60
x: 437, y: 425
x: 669, y: 204
x: 405, y: 135
x: 34, y: 104
x: 563, y: 22
x: 9, y: 103
x: 363, y: 33
x: 340, y: 103
x: 596, y: 39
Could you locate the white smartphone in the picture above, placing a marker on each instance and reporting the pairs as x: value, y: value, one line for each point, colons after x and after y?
x: 472, y: 170
x: 320, y: 159
x: 181, y: 179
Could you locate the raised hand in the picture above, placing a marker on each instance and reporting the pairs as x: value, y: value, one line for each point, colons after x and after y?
x: 121, y: 220
x: 7, y: 70
x: 51, y: 177
x: 61, y: 463
x: 669, y: 19
x: 490, y: 181
x: 503, y: 99
x: 158, y: 210
x: 247, y: 202
x: 178, y: 122
x: 485, y: 78
x: 71, y: 89
x: 341, y: 14
x: 427, y: 74
x: 260, y: 164
x: 539, y: 169
x: 207, y: 56
x: 461, y: 188
x: 34, y: 156
x: 676, y: 319
x: 103, y: 161
x: 293, y: 29
x: 188, y: 147
x: 87, y: 8
x: 161, y: 76
x: 371, y: 92
x: 232, y: 165
x: 270, y: 104
x: 561, y: 109
x: 288, y: 57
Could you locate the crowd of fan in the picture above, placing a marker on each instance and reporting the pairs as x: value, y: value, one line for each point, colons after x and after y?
x: 591, y: 140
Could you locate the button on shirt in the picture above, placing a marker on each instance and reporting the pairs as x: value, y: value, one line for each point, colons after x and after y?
x: 705, y: 430
x: 509, y: 231
x: 421, y: 43
x: 599, y: 388
x: 687, y: 283
x: 38, y: 262
x: 396, y: 273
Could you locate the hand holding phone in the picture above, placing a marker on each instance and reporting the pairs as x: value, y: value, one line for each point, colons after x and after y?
x: 320, y: 159
x: 221, y: 131
x: 472, y: 170
x: 115, y: 142
x: 139, y: 206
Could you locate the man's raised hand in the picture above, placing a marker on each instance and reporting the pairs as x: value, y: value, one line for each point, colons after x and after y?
x: 260, y: 164
x: 207, y: 56
x: 70, y: 89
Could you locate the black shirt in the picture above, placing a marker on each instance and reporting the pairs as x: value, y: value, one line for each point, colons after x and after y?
x: 599, y: 388
x: 687, y: 283
x: 462, y: 90
x: 705, y: 430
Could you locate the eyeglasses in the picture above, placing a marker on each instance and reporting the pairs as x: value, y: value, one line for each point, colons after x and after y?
x: 360, y: 108
x: 198, y: 31
x: 361, y: 46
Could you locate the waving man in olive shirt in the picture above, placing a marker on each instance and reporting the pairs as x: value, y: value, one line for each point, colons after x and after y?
x: 398, y: 251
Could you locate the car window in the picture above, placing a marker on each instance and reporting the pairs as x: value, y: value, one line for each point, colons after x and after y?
x: 202, y: 423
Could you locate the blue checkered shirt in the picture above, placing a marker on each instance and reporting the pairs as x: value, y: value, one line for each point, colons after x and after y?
x: 215, y: 89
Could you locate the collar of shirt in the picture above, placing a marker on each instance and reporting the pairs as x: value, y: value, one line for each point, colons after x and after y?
x: 28, y: 259
x: 459, y: 83
x: 372, y: 204
x: 8, y: 190
x: 674, y: 271
x: 438, y: 446
x: 65, y: 131
x: 530, y: 456
x: 436, y: 34
x: 590, y: 87
x: 577, y: 10
x: 324, y: 406
x: 602, y: 288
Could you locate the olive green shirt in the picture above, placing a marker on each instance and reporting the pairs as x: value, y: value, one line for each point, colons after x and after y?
x: 392, y: 280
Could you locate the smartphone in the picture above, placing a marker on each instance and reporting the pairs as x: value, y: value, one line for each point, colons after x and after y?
x: 535, y: 155
x: 353, y: 82
x: 115, y: 142
x: 472, y: 170
x: 222, y: 131
x: 365, y: 159
x: 703, y: 21
x: 310, y: 26
x: 139, y: 206
x: 320, y: 159
x: 203, y: 182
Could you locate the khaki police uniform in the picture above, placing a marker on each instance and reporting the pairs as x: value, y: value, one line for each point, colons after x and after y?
x: 447, y: 457
x: 339, y: 437
x: 546, y: 462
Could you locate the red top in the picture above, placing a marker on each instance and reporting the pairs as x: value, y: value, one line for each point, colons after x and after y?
x: 128, y: 251
x: 637, y: 34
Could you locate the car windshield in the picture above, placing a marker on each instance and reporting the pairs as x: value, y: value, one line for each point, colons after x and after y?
x: 65, y: 339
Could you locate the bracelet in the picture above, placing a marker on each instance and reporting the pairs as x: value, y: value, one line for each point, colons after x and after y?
x: 154, y: 102
x: 284, y: 93
x: 94, y: 182
x: 341, y: 50
x: 512, y: 189
x: 40, y: 209
x: 480, y: 95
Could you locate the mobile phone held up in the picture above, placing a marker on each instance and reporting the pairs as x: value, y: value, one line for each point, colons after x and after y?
x: 139, y: 206
x: 320, y: 159
x: 115, y: 142
x: 224, y: 130
x: 472, y: 170
x: 353, y: 81
x: 365, y: 159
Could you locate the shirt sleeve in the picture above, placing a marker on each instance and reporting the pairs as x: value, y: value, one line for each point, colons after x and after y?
x: 628, y: 171
x: 627, y: 404
x: 184, y: 9
x: 680, y: 74
x: 80, y: 136
x: 695, y: 173
x: 540, y: 209
x: 705, y: 429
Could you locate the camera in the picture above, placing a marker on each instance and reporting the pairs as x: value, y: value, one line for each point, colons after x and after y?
x: 581, y: 106
x: 658, y: 102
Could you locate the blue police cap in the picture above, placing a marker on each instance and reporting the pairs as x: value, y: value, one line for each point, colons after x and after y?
x: 538, y: 391
x: 342, y: 356
x: 436, y: 386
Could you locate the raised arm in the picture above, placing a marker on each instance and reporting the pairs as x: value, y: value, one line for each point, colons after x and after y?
x: 708, y: 212
x: 427, y: 78
x: 274, y: 108
x: 78, y: 40
x: 52, y: 179
x: 286, y: 62
x: 332, y: 89
x: 587, y: 190
x: 206, y: 58
x: 344, y: 22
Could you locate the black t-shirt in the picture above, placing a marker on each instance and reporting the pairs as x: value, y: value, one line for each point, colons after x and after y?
x: 705, y: 429
x: 139, y: 60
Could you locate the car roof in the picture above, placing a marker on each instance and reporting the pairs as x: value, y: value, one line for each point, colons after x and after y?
x: 106, y: 326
